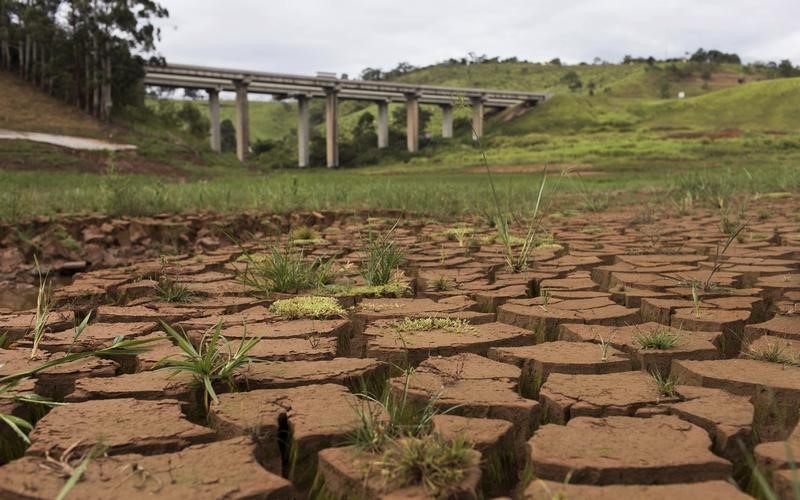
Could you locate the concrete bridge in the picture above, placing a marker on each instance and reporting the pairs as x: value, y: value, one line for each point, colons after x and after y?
x: 332, y: 89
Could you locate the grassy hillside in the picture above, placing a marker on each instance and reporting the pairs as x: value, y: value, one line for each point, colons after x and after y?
x: 634, y: 84
x: 24, y: 107
x: 758, y: 106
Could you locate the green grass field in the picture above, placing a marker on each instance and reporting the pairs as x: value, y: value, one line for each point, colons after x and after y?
x: 731, y: 139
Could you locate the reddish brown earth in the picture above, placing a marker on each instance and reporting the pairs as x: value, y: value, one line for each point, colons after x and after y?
x: 548, y: 365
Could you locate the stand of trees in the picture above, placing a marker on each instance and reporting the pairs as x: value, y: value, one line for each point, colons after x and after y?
x: 87, y: 52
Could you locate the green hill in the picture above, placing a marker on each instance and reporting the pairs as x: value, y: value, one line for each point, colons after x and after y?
x: 620, y: 94
x: 758, y: 106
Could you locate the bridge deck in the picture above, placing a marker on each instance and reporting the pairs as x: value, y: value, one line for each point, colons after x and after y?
x: 283, y: 85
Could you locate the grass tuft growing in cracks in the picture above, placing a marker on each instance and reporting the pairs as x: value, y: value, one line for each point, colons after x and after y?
x: 431, y: 461
x: 660, y: 338
x: 285, y: 271
x: 390, y: 416
x: 772, y: 353
x: 214, y: 360
x: 452, y: 325
x: 43, y: 307
x: 383, y: 259
x: 666, y: 385
x: 308, y: 307
x: 169, y: 290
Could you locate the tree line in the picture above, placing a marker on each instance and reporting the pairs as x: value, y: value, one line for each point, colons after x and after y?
x: 90, y: 53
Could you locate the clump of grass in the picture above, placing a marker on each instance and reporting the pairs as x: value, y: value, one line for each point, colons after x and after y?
x: 395, y: 288
x: 519, y: 260
x: 390, y: 416
x: 383, y: 259
x: 169, y: 290
x: 43, y: 307
x: 442, y: 284
x: 304, y: 234
x: 308, y: 307
x: 427, y: 324
x: 430, y: 461
x: 660, y: 338
x: 286, y: 271
x: 666, y: 385
x: 214, y: 360
x: 772, y: 353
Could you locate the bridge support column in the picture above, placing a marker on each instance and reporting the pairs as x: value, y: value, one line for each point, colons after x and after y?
x: 383, y: 124
x: 213, y: 119
x: 477, y: 117
x: 242, y: 121
x: 447, y: 121
x: 303, y: 132
x: 412, y: 123
x: 332, y: 128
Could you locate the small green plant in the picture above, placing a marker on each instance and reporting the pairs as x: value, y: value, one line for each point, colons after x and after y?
x: 308, y: 307
x: 660, y: 338
x: 427, y: 324
x: 604, y: 345
x: 214, y: 360
x: 720, y: 251
x: 442, y: 284
x: 383, y: 259
x: 545, y: 295
x: 431, y: 461
x: 285, y: 271
x: 772, y: 353
x: 696, y: 302
x: 169, y: 290
x: 665, y: 384
x: 43, y: 307
x: 459, y: 233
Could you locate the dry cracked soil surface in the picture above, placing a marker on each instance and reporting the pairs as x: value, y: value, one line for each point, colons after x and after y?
x: 631, y: 359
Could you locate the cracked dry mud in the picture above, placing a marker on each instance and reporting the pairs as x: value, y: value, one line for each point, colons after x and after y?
x: 547, y: 375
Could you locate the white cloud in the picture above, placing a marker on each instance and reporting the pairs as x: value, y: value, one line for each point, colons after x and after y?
x: 303, y: 36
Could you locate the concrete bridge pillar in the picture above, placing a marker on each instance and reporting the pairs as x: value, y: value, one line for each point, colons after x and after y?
x: 447, y: 121
x: 213, y: 119
x: 303, y: 131
x: 412, y: 122
x: 383, y: 124
x: 477, y: 117
x: 332, y: 127
x: 242, y: 121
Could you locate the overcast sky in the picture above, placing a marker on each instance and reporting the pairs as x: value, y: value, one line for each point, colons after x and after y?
x: 345, y: 36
